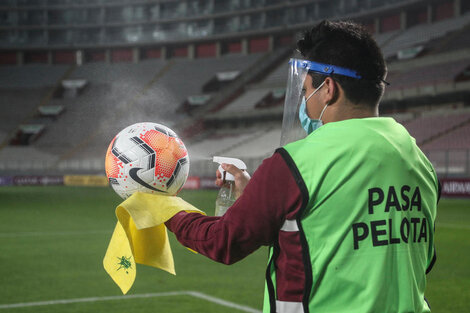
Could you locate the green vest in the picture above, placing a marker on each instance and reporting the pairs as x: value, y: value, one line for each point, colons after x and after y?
x: 367, y: 221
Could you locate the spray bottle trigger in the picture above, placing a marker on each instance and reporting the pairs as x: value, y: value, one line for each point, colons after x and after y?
x: 225, y: 175
x: 237, y: 162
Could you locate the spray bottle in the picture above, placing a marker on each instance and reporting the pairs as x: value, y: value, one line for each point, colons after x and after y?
x: 226, y: 196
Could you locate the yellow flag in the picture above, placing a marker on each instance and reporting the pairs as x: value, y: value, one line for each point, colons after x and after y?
x: 141, y: 237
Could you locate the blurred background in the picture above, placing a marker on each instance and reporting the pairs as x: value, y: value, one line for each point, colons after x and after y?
x: 73, y: 73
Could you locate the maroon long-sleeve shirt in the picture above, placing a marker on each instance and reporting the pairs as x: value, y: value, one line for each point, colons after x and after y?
x: 271, y: 197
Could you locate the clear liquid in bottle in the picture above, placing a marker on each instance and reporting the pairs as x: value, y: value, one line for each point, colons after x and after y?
x: 225, y: 198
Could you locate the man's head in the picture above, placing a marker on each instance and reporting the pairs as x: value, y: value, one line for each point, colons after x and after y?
x: 347, y: 45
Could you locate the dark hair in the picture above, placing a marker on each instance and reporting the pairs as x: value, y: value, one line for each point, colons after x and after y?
x: 349, y: 45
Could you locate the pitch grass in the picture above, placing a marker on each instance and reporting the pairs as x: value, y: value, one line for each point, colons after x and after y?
x: 53, y: 239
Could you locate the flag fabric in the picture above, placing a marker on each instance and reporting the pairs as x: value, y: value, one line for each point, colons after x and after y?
x: 140, y: 236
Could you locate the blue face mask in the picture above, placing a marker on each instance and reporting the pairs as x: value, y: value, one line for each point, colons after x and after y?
x: 308, y: 124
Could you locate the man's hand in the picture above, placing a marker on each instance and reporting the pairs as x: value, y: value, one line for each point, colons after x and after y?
x: 241, y: 178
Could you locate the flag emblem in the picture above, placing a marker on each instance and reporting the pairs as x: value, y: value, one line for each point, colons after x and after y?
x: 124, y: 263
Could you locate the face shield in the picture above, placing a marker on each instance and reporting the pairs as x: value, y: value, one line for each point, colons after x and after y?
x: 298, y: 70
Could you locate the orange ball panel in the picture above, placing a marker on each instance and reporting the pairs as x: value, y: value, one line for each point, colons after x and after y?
x: 155, y: 139
x: 168, y: 151
x: 111, y: 162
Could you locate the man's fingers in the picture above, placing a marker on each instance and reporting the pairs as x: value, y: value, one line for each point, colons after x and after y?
x: 218, y: 181
x: 241, y: 177
x: 232, y: 169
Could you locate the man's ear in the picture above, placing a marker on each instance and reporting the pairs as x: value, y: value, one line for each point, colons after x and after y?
x: 332, y: 91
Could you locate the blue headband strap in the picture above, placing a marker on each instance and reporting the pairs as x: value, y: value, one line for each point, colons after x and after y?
x: 326, y: 69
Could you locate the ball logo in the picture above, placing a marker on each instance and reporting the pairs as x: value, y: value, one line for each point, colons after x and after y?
x: 134, y: 176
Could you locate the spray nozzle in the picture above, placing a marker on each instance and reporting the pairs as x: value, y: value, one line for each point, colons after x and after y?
x: 237, y: 162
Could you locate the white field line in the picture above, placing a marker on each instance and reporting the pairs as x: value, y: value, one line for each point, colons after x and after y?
x: 222, y: 302
x: 129, y: 297
x: 54, y: 233
x: 93, y: 299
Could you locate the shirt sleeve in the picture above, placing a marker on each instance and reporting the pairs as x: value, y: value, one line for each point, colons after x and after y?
x: 252, y: 221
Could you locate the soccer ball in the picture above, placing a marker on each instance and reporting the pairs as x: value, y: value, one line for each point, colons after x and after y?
x: 147, y: 157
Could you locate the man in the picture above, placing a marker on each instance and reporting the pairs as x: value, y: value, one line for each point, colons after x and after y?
x: 348, y: 211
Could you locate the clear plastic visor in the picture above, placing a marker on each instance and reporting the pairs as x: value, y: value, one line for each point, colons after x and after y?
x: 298, y: 69
x: 291, y: 128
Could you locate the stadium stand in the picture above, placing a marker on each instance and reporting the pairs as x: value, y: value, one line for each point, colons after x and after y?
x: 260, y: 146
x: 449, y: 162
x: 459, y: 39
x: 401, y: 118
x: 276, y: 78
x: 423, y: 127
x: 101, y: 102
x: 458, y: 138
x: 187, y: 77
x: 218, y: 143
x: 444, y: 72
x: 420, y: 34
x: 135, y: 82
x: 252, y: 97
x: 31, y: 75
x: 26, y: 158
x: 435, y: 123
x: 17, y: 105
x: 383, y: 38
x: 247, y: 101
x: 122, y: 94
